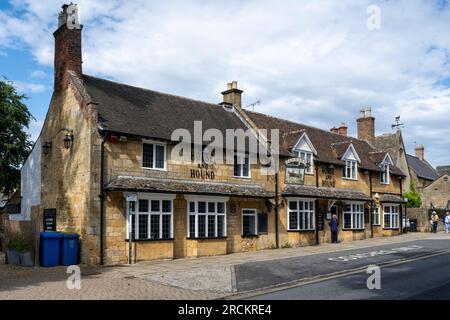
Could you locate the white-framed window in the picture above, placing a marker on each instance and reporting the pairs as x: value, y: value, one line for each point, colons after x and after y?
x: 376, y: 216
x: 351, y: 170
x: 385, y: 179
x: 154, y: 155
x: 308, y: 158
x: 242, y: 167
x: 391, y: 214
x: 354, y: 216
x: 301, y: 214
x: 206, y: 218
x: 150, y: 218
x: 249, y: 222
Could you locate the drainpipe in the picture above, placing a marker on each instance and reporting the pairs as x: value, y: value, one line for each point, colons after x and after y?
x: 401, y: 206
x: 317, y: 206
x: 371, y: 205
x: 102, y: 196
x: 277, y: 238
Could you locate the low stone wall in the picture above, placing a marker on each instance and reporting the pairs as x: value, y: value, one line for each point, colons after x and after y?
x: 423, y: 221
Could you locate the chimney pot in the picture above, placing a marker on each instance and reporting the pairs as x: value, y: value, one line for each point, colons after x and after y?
x: 420, y: 151
x: 366, y: 126
x: 233, y: 95
x: 68, y: 56
x: 343, y: 130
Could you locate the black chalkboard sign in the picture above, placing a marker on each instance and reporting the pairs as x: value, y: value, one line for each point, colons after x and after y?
x: 320, y: 219
x: 50, y: 220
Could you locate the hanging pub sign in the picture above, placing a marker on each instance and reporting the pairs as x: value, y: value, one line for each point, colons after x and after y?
x: 50, y: 220
x: 295, y: 171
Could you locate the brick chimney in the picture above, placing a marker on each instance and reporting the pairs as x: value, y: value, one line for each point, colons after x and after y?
x: 343, y: 130
x: 233, y: 95
x: 67, y: 46
x: 420, y: 151
x: 366, y: 126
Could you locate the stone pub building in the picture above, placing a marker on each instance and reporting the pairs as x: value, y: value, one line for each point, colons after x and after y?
x: 106, y: 172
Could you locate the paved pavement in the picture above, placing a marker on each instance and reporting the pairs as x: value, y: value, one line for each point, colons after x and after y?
x: 195, y: 279
x: 427, y: 279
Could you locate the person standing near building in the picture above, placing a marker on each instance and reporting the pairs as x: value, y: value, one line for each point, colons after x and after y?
x: 435, y: 221
x: 447, y: 222
x: 334, y: 226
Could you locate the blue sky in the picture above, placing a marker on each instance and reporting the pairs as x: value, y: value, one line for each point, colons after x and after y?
x: 315, y: 62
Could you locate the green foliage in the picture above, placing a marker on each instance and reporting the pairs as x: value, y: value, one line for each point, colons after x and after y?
x: 414, y: 199
x: 14, y: 142
x: 19, y: 242
x: 287, y: 245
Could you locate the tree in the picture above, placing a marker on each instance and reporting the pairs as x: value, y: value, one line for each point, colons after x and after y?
x: 15, y: 144
x: 414, y: 199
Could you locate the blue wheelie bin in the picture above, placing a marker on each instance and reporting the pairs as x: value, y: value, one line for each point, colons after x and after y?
x: 69, y: 249
x: 49, y: 249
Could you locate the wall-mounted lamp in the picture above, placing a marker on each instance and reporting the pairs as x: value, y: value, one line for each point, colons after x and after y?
x: 377, y: 196
x: 46, y: 147
x: 68, y: 139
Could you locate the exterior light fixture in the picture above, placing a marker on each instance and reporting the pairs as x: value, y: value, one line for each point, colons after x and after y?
x: 68, y: 140
x: 46, y: 147
x: 377, y: 197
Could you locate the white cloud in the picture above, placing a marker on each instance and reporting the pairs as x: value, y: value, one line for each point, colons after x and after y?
x: 312, y: 61
x: 38, y: 74
x: 29, y: 87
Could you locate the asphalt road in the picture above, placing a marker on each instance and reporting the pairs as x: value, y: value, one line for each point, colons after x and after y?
x: 267, y: 274
x: 427, y: 279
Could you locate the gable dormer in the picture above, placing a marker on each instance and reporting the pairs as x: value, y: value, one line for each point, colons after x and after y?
x: 385, y: 169
x: 351, y: 159
x: 306, y: 151
x: 351, y: 155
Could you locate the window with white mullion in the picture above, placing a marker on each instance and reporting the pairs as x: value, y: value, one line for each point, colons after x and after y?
x: 307, y: 157
x: 154, y: 156
x: 351, y: 170
x: 301, y: 214
x: 354, y: 216
x: 385, y: 174
x: 391, y: 216
x: 206, y: 219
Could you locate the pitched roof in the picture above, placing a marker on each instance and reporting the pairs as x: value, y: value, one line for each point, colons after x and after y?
x: 330, y: 146
x: 146, y: 113
x: 422, y: 168
x: 388, y: 142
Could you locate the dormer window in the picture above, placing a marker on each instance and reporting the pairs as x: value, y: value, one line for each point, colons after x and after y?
x: 351, y: 170
x: 306, y: 151
x: 385, y: 169
x: 385, y: 174
x: 351, y: 160
x: 307, y: 157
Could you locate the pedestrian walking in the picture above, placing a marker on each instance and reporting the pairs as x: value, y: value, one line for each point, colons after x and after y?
x: 447, y: 223
x: 334, y: 226
x: 435, y: 221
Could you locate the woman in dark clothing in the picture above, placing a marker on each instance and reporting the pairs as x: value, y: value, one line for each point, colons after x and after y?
x: 334, y: 226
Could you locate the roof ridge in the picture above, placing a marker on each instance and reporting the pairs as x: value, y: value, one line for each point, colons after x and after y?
x: 151, y: 90
x: 351, y: 139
